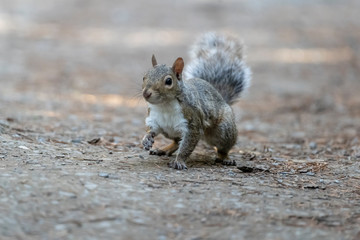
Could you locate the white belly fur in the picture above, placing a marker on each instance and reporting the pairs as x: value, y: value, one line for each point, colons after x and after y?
x: 167, y: 118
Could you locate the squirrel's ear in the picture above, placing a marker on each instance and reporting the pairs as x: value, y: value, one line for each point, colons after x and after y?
x: 153, y: 60
x: 178, y: 67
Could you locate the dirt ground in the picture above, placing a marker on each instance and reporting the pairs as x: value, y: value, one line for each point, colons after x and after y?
x: 71, y: 122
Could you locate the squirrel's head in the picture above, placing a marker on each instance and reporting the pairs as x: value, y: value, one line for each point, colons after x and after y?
x: 162, y: 83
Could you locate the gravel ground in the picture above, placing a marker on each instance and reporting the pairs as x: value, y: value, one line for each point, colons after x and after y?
x: 71, y: 122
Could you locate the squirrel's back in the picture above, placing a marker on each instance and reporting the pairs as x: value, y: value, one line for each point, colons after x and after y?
x: 218, y: 60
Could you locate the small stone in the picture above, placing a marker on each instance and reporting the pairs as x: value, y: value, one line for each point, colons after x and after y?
x: 67, y: 194
x: 312, y: 145
x: 104, y: 175
x: 60, y: 227
x: 23, y: 147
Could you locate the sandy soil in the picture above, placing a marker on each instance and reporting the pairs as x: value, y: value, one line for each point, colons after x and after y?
x: 71, y: 121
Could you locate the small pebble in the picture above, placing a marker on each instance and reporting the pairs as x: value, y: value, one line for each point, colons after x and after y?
x: 60, y: 227
x: 67, y: 194
x: 104, y: 175
x: 23, y: 147
x: 312, y: 145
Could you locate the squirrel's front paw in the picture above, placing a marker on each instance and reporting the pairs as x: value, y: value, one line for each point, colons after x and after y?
x: 148, y: 141
x: 180, y: 165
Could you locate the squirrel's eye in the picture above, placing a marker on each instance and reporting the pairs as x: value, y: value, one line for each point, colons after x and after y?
x: 168, y: 81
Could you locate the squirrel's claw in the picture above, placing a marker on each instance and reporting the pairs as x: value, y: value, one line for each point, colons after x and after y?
x: 179, y: 165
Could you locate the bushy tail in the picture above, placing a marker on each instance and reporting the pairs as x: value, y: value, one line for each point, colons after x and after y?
x: 218, y: 59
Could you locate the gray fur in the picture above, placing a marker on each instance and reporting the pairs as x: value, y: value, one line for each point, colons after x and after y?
x: 219, y: 60
x: 197, y: 106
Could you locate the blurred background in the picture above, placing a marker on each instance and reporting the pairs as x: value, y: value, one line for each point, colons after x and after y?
x: 85, y: 59
x: 77, y: 60
x: 72, y: 47
x: 77, y: 65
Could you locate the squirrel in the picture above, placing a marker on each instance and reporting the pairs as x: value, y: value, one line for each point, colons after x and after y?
x: 196, y: 105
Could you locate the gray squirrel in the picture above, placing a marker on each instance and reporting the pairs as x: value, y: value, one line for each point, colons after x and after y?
x: 196, y: 105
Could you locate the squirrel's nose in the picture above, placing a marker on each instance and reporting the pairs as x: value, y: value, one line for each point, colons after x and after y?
x: 147, y: 94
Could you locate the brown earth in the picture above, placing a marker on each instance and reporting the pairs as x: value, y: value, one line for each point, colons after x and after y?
x: 71, y: 121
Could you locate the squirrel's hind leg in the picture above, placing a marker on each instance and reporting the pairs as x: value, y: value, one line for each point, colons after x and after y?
x: 224, y: 159
x: 167, y: 150
x: 223, y: 137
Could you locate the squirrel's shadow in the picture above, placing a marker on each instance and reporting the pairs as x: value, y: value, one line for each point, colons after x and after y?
x: 204, y: 159
x: 198, y: 160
